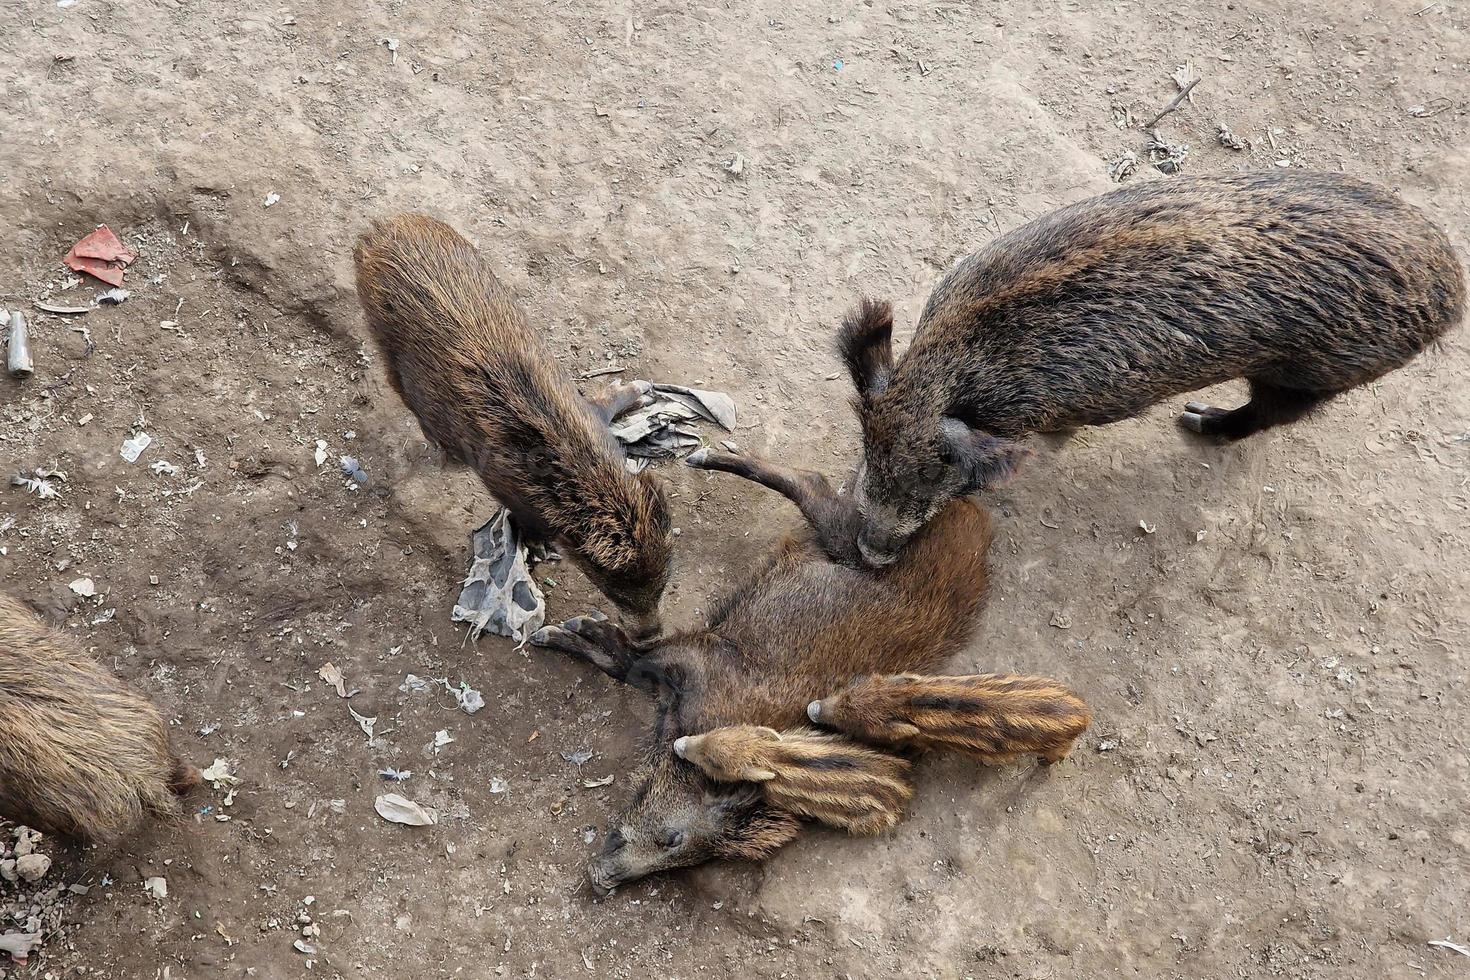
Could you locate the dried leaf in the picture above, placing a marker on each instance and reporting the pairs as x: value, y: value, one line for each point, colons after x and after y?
x: 332, y: 674
x: 396, y: 809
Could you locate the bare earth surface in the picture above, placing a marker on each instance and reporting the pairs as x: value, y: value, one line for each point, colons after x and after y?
x: 1276, y: 781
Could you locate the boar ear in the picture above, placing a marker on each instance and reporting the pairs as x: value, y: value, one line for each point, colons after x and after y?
x: 768, y: 734
x: 866, y: 344
x: 901, y: 730
x: 984, y: 460
x: 755, y: 774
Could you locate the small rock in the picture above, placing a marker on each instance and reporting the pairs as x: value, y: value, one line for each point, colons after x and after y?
x: 32, y: 867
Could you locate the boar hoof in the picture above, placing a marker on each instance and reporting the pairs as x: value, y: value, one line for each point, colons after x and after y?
x: 1202, y: 418
x: 697, y: 458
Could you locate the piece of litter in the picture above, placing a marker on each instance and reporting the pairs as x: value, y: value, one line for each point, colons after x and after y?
x: 597, y: 783
x: 133, y: 447
x: 498, y: 595
x: 656, y: 429
x: 837, y: 65
x: 579, y: 757
x: 498, y: 785
x: 18, y: 359
x: 164, y: 468
x: 736, y: 166
x: 302, y: 946
x: 1146, y: 527
x: 391, y: 43
x: 83, y: 587
x: 353, y: 470
x: 40, y: 487
x: 101, y: 255
x: 220, y: 775
x: 113, y: 297
x: 441, y: 739
x: 156, y: 887
x: 363, y: 722
x: 63, y: 310
x: 413, y: 683
x: 395, y: 775
x: 321, y: 451
x: 1229, y: 140
x: 470, y: 700
x: 332, y: 674
x: 271, y: 200
x: 1446, y: 944
x: 396, y: 809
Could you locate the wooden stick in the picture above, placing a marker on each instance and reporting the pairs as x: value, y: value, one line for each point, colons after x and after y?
x: 1174, y: 103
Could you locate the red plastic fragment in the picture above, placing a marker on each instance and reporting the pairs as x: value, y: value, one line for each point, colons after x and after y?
x: 101, y: 255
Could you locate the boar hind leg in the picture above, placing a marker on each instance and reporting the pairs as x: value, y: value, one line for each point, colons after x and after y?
x: 802, y: 487
x: 595, y: 639
x: 1270, y: 406
x: 617, y: 398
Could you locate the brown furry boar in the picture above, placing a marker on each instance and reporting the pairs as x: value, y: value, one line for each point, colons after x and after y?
x: 828, y: 778
x: 799, y: 628
x: 487, y: 391
x: 81, y: 754
x: 1304, y: 284
x: 995, y: 718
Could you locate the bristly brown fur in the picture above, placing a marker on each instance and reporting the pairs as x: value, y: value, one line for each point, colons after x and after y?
x: 808, y: 622
x: 995, y: 718
x: 1305, y: 284
x: 865, y: 342
x: 488, y: 392
x: 81, y: 754
x: 826, y: 777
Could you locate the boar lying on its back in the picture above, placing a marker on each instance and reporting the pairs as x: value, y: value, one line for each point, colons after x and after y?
x: 80, y: 753
x: 801, y: 627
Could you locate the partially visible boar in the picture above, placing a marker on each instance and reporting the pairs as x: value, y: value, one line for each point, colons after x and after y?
x: 1305, y: 284
x: 81, y: 754
x: 995, y: 718
x: 487, y: 391
x: 828, y: 778
x: 801, y: 627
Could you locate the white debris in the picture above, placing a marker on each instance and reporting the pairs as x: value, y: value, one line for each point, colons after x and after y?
x: 363, y: 722
x: 220, y: 775
x: 332, y: 674
x: 498, y: 785
x: 164, y: 468
x: 396, y: 809
x: 133, y: 447
x: 412, y: 683
x: 32, y: 867
x: 156, y: 887
x: 83, y: 587
x: 271, y: 199
x: 498, y: 595
x: 321, y: 451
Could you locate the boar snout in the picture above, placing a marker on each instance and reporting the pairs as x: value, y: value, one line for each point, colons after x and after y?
x: 878, y: 549
x: 642, y: 627
x: 813, y: 711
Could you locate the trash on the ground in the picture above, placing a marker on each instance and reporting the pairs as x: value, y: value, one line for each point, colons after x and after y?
x: 413, y: 683
x: 133, y: 446
x: 83, y: 587
x: 598, y: 783
x: 1446, y: 944
x: 271, y: 200
x: 395, y: 775
x: 498, y: 785
x: 1122, y: 166
x: 1229, y: 140
x: 20, y: 945
x: 304, y: 947
x: 18, y: 358
x: 1167, y: 157
x: 220, y: 774
x: 470, y: 700
x: 441, y: 739
x: 396, y: 809
x: 656, y: 429
x: 164, y: 468
x: 62, y: 310
x: 353, y: 470
x: 1433, y: 107
x: 363, y: 722
x: 1146, y: 527
x: 736, y: 166
x: 156, y: 887
x: 38, y: 485
x: 113, y: 297
x: 321, y: 451
x: 101, y: 255
x: 332, y: 674
x: 578, y: 757
x: 499, y: 596
x: 391, y: 43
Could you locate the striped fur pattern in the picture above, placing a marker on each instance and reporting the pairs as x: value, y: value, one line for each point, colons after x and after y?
x: 81, y: 754
x: 996, y: 718
x: 488, y: 392
x: 824, y: 777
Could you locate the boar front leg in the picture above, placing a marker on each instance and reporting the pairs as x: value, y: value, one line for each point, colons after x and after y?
x: 595, y: 639
x: 617, y: 398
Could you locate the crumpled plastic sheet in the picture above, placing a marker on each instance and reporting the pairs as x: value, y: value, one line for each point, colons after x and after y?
x: 499, y: 595
x: 657, y: 428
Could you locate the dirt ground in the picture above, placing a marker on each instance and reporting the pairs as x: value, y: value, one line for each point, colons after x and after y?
x: 1275, y: 784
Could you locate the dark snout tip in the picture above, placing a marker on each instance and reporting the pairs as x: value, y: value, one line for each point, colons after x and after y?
x: 814, y: 711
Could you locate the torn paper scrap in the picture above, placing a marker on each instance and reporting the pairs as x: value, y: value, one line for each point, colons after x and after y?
x: 499, y: 595
x: 658, y: 429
